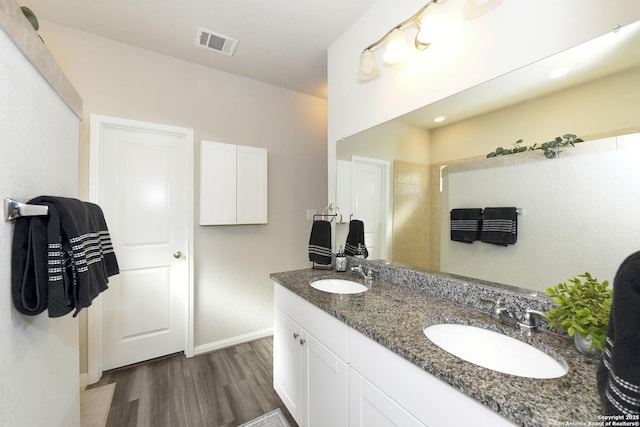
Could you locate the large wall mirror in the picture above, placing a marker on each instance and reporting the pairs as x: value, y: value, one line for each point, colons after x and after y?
x: 391, y: 176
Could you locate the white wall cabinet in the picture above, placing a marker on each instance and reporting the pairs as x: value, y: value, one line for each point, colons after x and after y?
x: 311, y: 380
x: 233, y: 184
x: 328, y: 374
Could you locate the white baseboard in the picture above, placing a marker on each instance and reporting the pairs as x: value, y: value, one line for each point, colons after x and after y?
x: 84, y: 378
x: 229, y: 342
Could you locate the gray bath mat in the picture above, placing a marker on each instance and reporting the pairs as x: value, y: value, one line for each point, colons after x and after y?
x: 274, y: 418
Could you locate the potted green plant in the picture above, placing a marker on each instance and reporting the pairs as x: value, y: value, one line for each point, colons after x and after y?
x: 583, y: 308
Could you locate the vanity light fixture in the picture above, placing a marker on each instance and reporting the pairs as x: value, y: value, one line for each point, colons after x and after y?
x: 432, y: 24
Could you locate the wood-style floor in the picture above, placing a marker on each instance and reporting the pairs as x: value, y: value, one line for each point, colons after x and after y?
x: 223, y: 388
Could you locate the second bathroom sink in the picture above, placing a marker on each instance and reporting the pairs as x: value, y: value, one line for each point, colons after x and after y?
x: 495, y: 351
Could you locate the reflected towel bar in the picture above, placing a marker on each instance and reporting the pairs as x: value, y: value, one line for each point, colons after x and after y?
x: 331, y: 211
x: 13, y: 210
x: 519, y: 211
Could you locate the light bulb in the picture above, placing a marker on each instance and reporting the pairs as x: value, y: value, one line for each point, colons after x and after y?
x: 397, y: 49
x: 433, y: 24
x: 368, y: 67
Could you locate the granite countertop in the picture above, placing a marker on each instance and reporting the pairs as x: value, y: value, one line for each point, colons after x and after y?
x: 395, y: 316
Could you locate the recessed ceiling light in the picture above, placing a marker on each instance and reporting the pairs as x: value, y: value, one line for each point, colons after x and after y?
x: 559, y: 72
x: 440, y: 119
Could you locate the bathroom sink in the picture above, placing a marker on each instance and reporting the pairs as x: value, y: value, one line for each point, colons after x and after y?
x: 339, y: 286
x: 495, y: 351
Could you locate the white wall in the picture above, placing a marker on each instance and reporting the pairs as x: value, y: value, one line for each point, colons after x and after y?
x: 513, y: 35
x: 578, y: 215
x: 233, y: 295
x: 38, y: 155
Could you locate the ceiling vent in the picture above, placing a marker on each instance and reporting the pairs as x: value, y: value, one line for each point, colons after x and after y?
x: 214, y: 41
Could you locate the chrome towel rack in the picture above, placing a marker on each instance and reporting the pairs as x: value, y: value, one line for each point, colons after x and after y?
x: 14, y: 209
x: 331, y: 211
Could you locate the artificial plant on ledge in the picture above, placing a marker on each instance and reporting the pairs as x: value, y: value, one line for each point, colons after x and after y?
x: 583, y: 308
x: 550, y: 149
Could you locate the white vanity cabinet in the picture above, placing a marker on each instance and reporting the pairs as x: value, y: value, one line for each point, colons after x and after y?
x: 233, y: 184
x: 329, y: 374
x: 310, y: 373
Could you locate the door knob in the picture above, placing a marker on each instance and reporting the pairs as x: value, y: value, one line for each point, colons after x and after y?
x: 177, y: 254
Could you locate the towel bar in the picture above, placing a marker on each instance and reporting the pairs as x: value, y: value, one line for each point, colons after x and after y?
x: 332, y: 211
x: 519, y: 211
x: 13, y: 210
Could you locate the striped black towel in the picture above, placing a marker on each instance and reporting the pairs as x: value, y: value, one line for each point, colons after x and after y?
x: 355, y: 238
x: 320, y: 242
x: 499, y: 226
x: 465, y: 224
x: 619, y: 370
x: 78, y: 260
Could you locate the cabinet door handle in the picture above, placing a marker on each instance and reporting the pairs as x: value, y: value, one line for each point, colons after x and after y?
x: 302, y: 341
x: 295, y: 335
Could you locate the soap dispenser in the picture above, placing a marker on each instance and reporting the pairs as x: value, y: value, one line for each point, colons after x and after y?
x: 360, y: 252
x: 341, y: 260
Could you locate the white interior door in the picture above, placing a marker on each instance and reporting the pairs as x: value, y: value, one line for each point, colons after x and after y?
x: 370, y: 202
x: 143, y: 185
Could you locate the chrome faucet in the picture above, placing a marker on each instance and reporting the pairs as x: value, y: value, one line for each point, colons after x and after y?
x: 368, y: 276
x: 524, y: 322
x: 528, y: 325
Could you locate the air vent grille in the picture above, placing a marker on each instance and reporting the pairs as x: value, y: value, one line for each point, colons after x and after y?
x: 217, y: 42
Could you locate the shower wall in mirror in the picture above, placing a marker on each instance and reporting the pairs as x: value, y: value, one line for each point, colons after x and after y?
x: 600, y: 100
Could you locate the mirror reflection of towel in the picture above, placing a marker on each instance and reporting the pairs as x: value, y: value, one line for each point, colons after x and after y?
x: 499, y: 226
x: 320, y: 242
x: 619, y: 370
x: 465, y: 224
x: 355, y: 238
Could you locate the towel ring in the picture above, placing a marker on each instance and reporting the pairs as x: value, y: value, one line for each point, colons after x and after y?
x: 331, y: 211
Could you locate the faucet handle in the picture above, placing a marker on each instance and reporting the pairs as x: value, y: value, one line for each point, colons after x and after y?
x: 528, y: 313
x: 497, y: 305
x: 527, y: 324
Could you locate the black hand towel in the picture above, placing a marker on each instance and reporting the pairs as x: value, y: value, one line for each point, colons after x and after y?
x: 465, y: 224
x: 320, y: 242
x: 29, y: 275
x: 355, y: 237
x: 619, y: 370
x: 499, y: 226
x: 78, y: 257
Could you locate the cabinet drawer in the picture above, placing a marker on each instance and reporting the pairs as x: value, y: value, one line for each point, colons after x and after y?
x: 325, y: 328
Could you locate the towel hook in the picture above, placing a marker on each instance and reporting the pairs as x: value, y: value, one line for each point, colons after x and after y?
x: 13, y: 210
